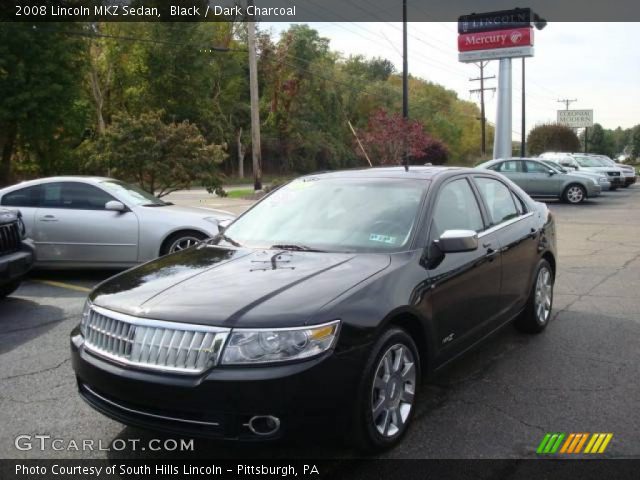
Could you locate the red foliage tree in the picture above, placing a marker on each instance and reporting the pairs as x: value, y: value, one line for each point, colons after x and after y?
x: 385, y: 137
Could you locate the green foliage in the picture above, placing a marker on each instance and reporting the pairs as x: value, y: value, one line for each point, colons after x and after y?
x: 87, y: 103
x: 161, y: 157
x: 552, y: 137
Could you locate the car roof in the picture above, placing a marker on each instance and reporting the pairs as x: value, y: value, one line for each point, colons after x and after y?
x: 414, y: 171
x: 67, y: 178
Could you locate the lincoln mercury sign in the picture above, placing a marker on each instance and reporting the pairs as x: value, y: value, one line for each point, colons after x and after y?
x: 496, y: 35
x: 576, y: 118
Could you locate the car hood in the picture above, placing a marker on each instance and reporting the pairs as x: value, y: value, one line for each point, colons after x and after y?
x: 601, y: 169
x: 236, y: 287
x: 200, y: 212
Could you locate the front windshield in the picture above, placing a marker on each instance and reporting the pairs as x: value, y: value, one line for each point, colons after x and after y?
x: 333, y: 214
x: 131, y: 194
x: 554, y: 166
x: 590, y: 161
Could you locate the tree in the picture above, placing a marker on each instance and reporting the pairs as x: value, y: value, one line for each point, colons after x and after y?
x: 385, y: 137
x: 552, y: 137
x: 635, y: 141
x: 41, y: 110
x: 161, y: 157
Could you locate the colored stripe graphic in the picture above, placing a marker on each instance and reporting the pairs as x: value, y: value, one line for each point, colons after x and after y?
x: 573, y: 443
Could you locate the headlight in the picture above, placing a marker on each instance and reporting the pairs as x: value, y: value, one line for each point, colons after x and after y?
x: 603, y: 180
x: 84, y: 319
x: 247, y: 346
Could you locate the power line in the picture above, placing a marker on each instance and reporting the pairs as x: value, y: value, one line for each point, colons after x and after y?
x: 567, y: 101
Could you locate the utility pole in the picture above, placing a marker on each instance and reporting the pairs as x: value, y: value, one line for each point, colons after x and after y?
x: 523, y: 125
x: 567, y: 101
x: 255, y: 105
x: 405, y: 83
x: 481, y: 90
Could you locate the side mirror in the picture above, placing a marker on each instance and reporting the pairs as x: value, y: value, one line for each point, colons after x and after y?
x: 115, y: 206
x: 223, y: 224
x: 453, y: 241
x: 551, y: 172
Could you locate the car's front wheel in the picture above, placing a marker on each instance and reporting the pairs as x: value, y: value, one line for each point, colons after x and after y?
x: 181, y: 241
x: 388, y: 389
x: 574, y: 194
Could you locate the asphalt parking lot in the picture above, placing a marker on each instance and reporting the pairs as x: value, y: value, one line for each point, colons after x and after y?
x: 580, y: 375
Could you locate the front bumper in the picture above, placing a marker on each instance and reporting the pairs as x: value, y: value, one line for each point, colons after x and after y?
x: 304, y: 396
x: 629, y: 180
x: 616, y: 181
x: 594, y: 191
x: 17, y: 264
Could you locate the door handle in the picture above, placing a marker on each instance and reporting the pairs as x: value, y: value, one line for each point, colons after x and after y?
x: 48, y: 218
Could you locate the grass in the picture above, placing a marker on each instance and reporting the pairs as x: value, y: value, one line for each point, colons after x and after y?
x: 245, y: 192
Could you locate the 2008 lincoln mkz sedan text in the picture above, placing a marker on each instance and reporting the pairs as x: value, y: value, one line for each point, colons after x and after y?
x: 324, y: 304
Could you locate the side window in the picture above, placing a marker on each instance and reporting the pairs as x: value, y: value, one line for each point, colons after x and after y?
x: 520, y: 205
x: 74, y: 195
x: 456, y: 209
x: 535, y: 167
x: 498, y: 199
x: 511, y: 166
x: 25, y: 197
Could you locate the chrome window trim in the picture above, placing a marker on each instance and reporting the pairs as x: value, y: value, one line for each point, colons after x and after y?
x: 147, y: 414
x: 502, y: 225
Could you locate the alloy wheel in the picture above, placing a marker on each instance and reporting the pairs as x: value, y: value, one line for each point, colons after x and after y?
x: 183, y: 243
x: 575, y: 194
x: 393, y: 392
x: 543, y: 295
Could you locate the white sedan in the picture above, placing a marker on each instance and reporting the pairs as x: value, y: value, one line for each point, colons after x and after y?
x: 98, y: 222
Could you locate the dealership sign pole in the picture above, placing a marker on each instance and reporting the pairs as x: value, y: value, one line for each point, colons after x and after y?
x: 501, y: 35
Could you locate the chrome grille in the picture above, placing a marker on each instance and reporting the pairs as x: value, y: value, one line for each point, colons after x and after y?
x: 9, y: 238
x: 613, y: 174
x: 152, y: 344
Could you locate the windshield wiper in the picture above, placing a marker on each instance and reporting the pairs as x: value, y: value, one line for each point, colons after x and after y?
x: 296, y: 247
x: 155, y: 204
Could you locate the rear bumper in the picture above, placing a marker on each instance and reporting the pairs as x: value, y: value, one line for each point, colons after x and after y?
x: 15, y: 265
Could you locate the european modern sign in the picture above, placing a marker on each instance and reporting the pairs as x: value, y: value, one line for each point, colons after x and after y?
x: 576, y: 118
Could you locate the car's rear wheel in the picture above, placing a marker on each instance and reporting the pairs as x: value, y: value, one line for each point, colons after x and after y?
x: 535, y: 317
x: 388, y: 389
x: 181, y: 241
x: 574, y: 194
x: 9, y: 288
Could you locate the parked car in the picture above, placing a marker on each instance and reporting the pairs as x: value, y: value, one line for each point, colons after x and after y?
x: 582, y: 162
x: 629, y: 172
x: 16, y: 252
x: 540, y: 180
x: 79, y: 222
x: 324, y: 304
x: 601, y: 178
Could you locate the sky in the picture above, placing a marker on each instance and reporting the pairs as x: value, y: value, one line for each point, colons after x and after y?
x: 598, y: 64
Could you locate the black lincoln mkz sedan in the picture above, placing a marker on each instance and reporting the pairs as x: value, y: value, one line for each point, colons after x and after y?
x: 324, y: 304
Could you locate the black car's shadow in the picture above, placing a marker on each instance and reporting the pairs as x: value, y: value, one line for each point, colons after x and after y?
x: 23, y: 320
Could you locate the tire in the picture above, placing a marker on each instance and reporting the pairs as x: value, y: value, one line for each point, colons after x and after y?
x: 574, y: 194
x: 9, y: 288
x: 180, y: 241
x: 387, y: 394
x: 537, y: 311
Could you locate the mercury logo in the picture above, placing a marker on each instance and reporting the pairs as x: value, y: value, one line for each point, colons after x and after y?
x: 516, y: 37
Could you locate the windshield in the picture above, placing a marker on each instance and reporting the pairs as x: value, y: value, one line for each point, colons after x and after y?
x: 341, y: 215
x: 590, y: 161
x: 554, y: 166
x: 131, y: 194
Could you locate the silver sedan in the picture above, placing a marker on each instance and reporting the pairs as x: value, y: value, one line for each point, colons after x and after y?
x: 98, y: 222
